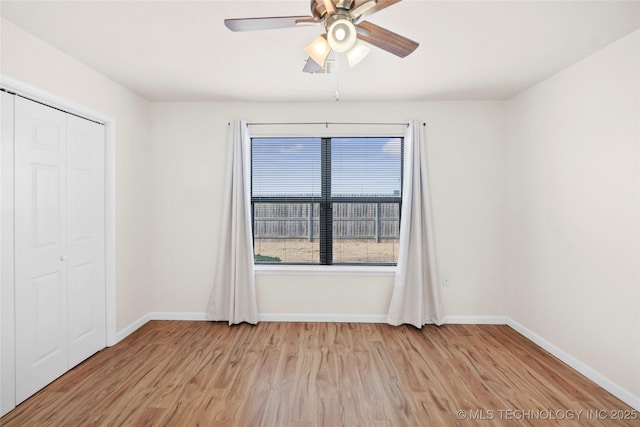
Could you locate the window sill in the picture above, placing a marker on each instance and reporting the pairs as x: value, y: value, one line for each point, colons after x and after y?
x: 336, y: 270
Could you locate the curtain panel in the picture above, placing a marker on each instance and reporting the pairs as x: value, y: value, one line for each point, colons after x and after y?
x: 233, y: 297
x: 416, y: 295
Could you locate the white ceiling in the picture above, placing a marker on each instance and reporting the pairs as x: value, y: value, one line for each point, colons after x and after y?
x: 181, y: 50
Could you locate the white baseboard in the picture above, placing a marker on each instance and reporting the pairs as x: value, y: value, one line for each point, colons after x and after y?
x: 593, y: 375
x: 309, y: 317
x: 318, y: 317
x: 373, y: 318
x: 475, y: 320
x: 134, y: 326
x: 262, y: 317
x: 178, y: 316
x: 131, y: 328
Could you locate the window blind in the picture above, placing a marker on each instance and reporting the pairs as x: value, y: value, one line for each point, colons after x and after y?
x: 326, y: 200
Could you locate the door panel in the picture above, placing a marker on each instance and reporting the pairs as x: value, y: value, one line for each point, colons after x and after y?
x: 46, y: 209
x: 86, y: 239
x: 80, y: 286
x: 40, y: 230
x: 47, y: 289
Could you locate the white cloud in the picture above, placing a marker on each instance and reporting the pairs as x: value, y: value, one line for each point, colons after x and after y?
x: 293, y: 149
x: 392, y: 147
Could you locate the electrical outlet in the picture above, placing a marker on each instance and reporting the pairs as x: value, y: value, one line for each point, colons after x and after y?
x: 445, y: 281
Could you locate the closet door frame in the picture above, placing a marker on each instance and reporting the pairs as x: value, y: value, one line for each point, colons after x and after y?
x: 7, y: 273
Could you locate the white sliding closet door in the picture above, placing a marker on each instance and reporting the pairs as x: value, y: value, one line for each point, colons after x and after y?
x: 59, y: 243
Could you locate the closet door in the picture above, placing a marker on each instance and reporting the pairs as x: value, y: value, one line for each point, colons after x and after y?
x: 40, y: 248
x: 86, y: 239
x: 59, y: 243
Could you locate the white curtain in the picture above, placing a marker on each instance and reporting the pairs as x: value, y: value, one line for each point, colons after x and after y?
x: 233, y: 297
x: 416, y: 296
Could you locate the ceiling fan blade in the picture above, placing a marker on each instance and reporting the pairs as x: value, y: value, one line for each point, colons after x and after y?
x: 385, y: 39
x: 328, y: 5
x: 268, y: 23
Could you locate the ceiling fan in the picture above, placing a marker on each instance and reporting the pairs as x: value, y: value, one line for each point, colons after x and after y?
x: 345, y: 30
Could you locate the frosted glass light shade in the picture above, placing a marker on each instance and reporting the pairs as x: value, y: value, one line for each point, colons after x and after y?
x: 319, y: 50
x: 357, y: 53
x: 342, y: 35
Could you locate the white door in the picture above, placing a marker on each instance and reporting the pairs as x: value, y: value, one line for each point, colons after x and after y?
x: 86, y: 239
x: 59, y: 244
x: 40, y: 233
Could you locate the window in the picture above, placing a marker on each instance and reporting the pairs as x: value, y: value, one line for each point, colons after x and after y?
x: 326, y: 200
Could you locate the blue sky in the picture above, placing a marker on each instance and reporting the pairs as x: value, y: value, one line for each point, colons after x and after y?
x: 291, y: 166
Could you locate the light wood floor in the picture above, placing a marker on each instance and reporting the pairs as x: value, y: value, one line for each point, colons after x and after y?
x: 321, y: 374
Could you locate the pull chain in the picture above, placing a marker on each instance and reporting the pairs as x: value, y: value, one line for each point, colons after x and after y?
x: 337, y: 67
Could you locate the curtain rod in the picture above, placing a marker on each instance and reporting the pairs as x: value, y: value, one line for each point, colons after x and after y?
x: 327, y: 123
x: 331, y: 123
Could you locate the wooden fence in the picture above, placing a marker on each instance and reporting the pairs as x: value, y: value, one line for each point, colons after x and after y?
x: 350, y: 221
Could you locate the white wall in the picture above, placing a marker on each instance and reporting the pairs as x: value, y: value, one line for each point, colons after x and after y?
x: 466, y: 157
x: 29, y: 59
x: 573, y: 211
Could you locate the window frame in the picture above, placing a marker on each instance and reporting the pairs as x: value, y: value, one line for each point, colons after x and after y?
x: 326, y: 202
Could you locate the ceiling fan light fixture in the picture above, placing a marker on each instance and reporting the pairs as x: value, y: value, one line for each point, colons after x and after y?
x: 319, y: 50
x: 357, y: 53
x: 339, y: 19
x: 341, y: 35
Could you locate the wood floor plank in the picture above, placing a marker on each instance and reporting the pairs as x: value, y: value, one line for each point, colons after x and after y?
x: 285, y: 375
x: 305, y: 396
x: 348, y: 375
x: 372, y: 395
x: 395, y: 340
x: 171, y: 373
x: 329, y: 410
x: 395, y: 397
